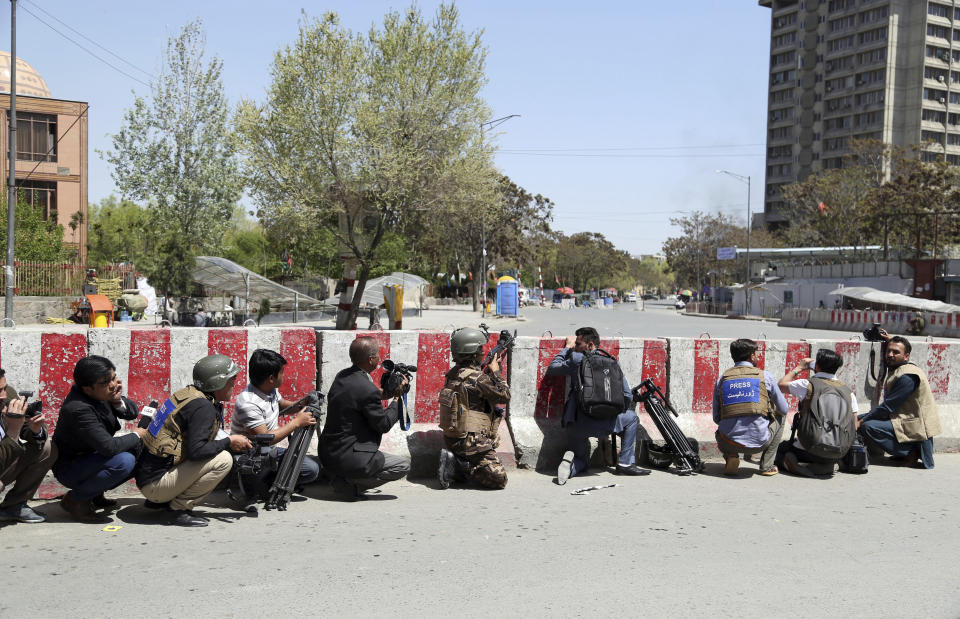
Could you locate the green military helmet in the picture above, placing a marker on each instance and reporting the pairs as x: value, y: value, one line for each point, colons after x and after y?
x: 212, y: 372
x: 467, y: 342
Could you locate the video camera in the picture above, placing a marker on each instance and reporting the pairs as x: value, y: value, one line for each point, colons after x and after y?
x: 262, y: 457
x: 391, y: 383
x: 873, y: 333
x: 33, y: 409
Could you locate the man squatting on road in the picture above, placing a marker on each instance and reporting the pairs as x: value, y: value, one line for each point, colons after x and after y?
x: 469, y: 416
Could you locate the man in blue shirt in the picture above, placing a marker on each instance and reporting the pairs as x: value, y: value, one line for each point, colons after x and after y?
x: 580, y: 426
x: 749, y: 410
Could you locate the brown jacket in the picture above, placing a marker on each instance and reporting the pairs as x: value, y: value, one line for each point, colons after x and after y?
x: 917, y: 418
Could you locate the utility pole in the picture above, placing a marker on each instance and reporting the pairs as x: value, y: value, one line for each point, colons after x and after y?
x: 12, y: 182
x: 496, y: 122
x: 744, y: 179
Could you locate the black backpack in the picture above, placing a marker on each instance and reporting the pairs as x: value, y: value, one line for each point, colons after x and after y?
x: 600, y: 390
x: 825, y: 426
x: 856, y: 460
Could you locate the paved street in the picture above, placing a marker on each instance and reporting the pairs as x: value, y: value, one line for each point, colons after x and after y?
x: 880, y: 545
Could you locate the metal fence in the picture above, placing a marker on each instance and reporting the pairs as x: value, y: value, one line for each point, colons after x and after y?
x: 43, y: 279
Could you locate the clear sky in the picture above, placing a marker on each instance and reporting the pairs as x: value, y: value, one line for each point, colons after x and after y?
x: 626, y: 108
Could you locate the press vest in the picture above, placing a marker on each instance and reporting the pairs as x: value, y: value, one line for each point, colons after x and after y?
x: 462, y: 407
x: 169, y: 438
x: 743, y: 392
x: 917, y: 419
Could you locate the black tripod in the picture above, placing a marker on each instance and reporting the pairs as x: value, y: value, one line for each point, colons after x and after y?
x: 297, y: 446
x: 678, y: 447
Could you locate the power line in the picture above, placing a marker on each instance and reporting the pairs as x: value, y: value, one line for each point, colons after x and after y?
x: 112, y: 66
x: 634, y: 156
x: 85, y: 37
x: 610, y: 148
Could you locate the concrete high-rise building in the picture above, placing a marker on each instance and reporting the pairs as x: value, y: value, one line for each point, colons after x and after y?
x: 843, y: 69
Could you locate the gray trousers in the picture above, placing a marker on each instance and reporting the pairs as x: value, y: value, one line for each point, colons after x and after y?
x: 768, y: 452
x: 394, y: 468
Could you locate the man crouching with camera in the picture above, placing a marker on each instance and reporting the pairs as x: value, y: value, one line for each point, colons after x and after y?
x: 26, y: 454
x: 356, y: 422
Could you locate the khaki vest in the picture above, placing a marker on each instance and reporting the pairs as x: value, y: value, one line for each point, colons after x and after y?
x: 169, y: 440
x: 739, y: 385
x: 457, y: 416
x: 917, y: 418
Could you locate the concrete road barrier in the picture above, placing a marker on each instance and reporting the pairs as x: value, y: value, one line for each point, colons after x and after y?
x: 154, y: 362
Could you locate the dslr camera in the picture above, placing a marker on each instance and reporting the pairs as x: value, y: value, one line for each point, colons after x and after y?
x: 391, y: 383
x: 33, y: 409
x: 873, y: 333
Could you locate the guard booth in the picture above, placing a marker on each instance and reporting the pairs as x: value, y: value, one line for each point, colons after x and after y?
x: 508, y: 296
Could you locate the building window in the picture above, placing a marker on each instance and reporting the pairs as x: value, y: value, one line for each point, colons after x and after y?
x: 42, y: 195
x: 873, y: 15
x: 36, y: 137
x: 939, y: 32
x: 872, y: 36
x: 938, y: 10
x: 933, y: 116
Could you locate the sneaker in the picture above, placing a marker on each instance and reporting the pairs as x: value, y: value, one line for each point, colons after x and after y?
x: 21, y: 512
x: 447, y: 469
x: 633, y: 469
x: 770, y: 472
x: 732, y: 466
x: 102, y: 502
x: 186, y: 518
x: 565, y: 468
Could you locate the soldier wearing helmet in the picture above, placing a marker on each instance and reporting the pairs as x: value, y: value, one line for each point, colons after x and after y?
x: 468, y: 414
x: 186, y: 451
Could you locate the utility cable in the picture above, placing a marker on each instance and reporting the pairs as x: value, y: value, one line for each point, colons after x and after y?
x: 112, y: 66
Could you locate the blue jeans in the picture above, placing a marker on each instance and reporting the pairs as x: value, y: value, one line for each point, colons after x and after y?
x: 93, y: 474
x: 256, y: 485
x: 578, y: 442
x: 880, y: 433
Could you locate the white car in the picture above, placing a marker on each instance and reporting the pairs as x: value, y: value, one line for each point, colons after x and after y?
x: 631, y: 297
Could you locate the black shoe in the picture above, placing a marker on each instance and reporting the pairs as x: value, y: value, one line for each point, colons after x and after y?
x: 184, y: 518
x: 633, y: 469
x: 21, y: 512
x: 151, y: 505
x: 345, y: 491
x: 102, y: 502
x: 447, y: 469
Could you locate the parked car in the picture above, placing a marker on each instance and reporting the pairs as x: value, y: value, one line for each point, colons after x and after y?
x: 649, y: 296
x: 631, y: 297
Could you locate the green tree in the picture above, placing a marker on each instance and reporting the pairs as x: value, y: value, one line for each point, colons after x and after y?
x: 173, y: 153
x: 35, y: 239
x: 359, y: 132
x: 121, y: 231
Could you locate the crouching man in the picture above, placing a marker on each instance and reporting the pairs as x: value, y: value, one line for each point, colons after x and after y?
x: 468, y: 414
x: 904, y: 424
x: 749, y: 410
x: 186, y: 451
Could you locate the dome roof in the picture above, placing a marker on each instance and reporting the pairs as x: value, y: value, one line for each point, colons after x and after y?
x: 29, y: 82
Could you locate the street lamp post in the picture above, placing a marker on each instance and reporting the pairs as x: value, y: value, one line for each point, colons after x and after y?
x: 744, y: 179
x: 496, y: 122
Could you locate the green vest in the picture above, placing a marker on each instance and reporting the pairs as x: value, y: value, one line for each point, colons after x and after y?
x: 460, y: 413
x: 169, y: 439
x: 743, y: 392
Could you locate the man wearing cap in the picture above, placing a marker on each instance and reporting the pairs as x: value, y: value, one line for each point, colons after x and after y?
x: 186, y: 451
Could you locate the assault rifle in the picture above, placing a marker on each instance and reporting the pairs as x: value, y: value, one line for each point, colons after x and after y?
x: 678, y: 447
x: 297, y: 446
x: 505, y: 342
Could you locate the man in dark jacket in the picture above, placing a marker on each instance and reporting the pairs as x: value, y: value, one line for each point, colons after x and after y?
x: 186, y: 450
x: 356, y: 421
x: 26, y: 453
x: 92, y: 459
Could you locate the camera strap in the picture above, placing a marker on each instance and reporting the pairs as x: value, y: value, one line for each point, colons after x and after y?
x: 403, y: 417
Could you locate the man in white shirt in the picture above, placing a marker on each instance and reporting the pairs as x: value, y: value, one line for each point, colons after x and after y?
x: 794, y: 458
x: 257, y: 411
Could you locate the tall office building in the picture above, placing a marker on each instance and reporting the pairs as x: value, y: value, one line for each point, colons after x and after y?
x: 843, y: 69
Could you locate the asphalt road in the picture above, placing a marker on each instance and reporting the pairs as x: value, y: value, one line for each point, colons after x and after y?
x: 880, y: 545
x: 658, y: 319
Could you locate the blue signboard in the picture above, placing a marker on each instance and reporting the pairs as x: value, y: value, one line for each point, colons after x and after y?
x: 726, y: 253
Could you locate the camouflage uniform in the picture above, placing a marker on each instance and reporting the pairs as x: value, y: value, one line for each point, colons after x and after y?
x: 478, y: 449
